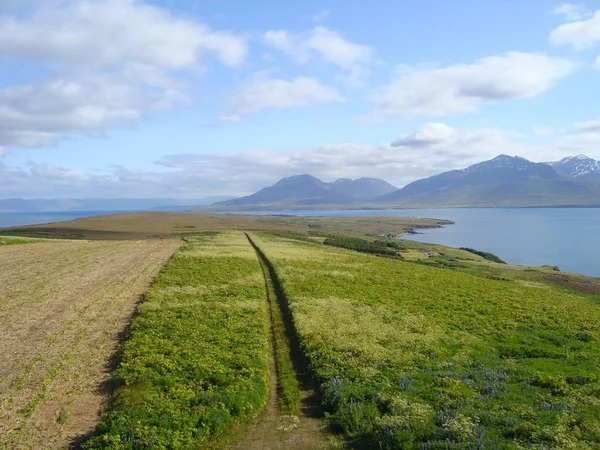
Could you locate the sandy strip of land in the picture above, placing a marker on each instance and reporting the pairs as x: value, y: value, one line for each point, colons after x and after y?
x: 62, y: 308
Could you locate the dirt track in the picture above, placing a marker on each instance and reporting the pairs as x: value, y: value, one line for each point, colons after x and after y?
x: 274, y: 430
x: 62, y: 307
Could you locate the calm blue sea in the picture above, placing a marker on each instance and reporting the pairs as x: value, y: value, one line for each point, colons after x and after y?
x: 564, y: 237
x: 33, y: 218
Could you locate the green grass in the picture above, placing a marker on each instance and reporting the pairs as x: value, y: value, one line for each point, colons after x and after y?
x: 409, y: 356
x: 485, y: 255
x: 48, y: 233
x: 377, y: 247
x: 195, y: 363
x: 9, y: 240
x: 288, y: 388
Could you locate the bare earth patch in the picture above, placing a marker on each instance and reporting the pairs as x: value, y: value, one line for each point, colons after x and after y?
x: 62, y: 308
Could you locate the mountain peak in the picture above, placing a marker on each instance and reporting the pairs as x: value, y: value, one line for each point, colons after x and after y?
x: 342, y: 181
x: 300, y: 180
x: 307, y: 190
x: 501, y: 181
x: 580, y: 166
x: 500, y: 162
x: 304, y: 176
x: 580, y: 157
x: 503, y: 157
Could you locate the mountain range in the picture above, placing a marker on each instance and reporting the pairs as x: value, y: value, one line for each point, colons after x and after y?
x: 306, y: 190
x: 504, y: 181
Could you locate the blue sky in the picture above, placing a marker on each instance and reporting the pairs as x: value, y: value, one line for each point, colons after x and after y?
x: 125, y: 98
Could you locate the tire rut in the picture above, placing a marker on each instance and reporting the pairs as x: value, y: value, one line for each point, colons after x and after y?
x: 275, y: 430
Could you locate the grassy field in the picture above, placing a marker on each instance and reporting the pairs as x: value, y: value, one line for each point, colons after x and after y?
x: 195, y: 364
x: 409, y: 345
x: 411, y: 356
x: 17, y: 240
x: 63, y: 305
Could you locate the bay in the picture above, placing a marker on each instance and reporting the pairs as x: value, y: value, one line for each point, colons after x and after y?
x: 35, y: 218
x: 565, y: 237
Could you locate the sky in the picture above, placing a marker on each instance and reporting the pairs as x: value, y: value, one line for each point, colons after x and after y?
x: 188, y: 99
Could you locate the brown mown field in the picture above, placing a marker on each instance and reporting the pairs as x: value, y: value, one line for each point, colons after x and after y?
x: 63, y: 306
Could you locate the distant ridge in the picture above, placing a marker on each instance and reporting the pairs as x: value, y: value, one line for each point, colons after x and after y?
x: 306, y: 190
x: 502, y: 181
x: 8, y: 205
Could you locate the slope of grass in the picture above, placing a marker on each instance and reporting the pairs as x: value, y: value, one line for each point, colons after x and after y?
x: 196, y: 362
x: 485, y: 255
x: 10, y: 240
x: 361, y: 245
x: 417, y: 357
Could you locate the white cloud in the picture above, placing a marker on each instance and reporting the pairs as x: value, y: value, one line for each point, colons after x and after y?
x: 430, y: 134
x: 106, y: 33
x: 571, y: 12
x: 581, y: 34
x: 41, y: 114
x: 583, y: 138
x: 111, y: 63
x: 463, y: 88
x: 432, y: 149
x: 265, y: 93
x: 591, y: 126
x: 597, y: 64
x: 328, y: 46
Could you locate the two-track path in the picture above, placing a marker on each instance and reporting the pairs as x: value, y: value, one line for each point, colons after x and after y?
x: 273, y: 430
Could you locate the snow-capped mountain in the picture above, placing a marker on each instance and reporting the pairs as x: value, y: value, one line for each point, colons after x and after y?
x: 502, y: 181
x: 580, y: 166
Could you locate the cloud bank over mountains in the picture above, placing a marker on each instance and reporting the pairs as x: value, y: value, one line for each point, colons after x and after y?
x: 434, y: 148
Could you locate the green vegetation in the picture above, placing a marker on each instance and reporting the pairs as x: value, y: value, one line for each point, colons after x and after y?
x: 288, y: 388
x: 47, y: 232
x: 63, y: 417
x: 195, y: 362
x: 8, y: 240
x: 363, y: 245
x: 484, y: 255
x: 415, y: 357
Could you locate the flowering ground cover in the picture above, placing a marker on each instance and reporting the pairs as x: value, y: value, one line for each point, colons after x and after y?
x: 410, y: 356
